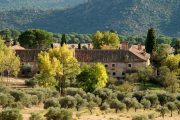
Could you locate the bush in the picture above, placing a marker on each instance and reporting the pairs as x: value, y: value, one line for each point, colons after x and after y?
x: 164, y: 97
x: 151, y: 116
x: 80, y: 102
x: 138, y: 95
x: 16, y: 105
x: 104, y: 107
x: 55, y: 94
x: 39, y: 94
x: 26, y: 69
x: 58, y: 114
x: 51, y: 102
x: 4, y: 89
x: 162, y: 111
x: 146, y: 103
x: 32, y: 82
x: 67, y: 102
x: 115, y: 103
x: 140, y: 117
x: 11, y: 114
x: 120, y: 95
x: 34, y: 99
x: 92, y: 98
x: 46, y: 91
x: 74, y: 91
x: 36, y: 116
x: 90, y: 106
x: 153, y: 99
x: 3, y: 100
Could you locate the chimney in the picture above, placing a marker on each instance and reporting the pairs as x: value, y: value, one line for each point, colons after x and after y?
x: 89, y: 46
x: 139, y: 46
x: 124, y: 45
x: 144, y: 52
x: 72, y: 46
x: 8, y: 43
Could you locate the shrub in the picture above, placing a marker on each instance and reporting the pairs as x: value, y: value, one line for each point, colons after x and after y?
x: 36, y: 116
x: 115, y: 103
x: 151, y: 116
x: 32, y: 82
x: 178, y: 106
x: 26, y: 69
x: 39, y: 94
x: 16, y: 105
x: 146, y: 103
x: 74, y: 91
x: 129, y: 102
x: 120, y: 95
x: 171, y: 106
x: 153, y: 99
x: 46, y: 91
x: 11, y: 114
x: 78, y: 115
x: 162, y: 111
x: 34, y: 99
x: 80, y: 102
x: 51, y: 102
x: 164, y: 97
x: 104, y: 93
x: 92, y: 98
x: 104, y: 107
x: 138, y: 96
x: 3, y: 100
x: 140, y: 117
x: 67, y: 102
x: 90, y: 106
x: 58, y: 114
x: 55, y: 94
x: 4, y: 89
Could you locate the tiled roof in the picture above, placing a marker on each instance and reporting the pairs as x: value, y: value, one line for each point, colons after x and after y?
x: 117, y: 55
x: 17, y: 47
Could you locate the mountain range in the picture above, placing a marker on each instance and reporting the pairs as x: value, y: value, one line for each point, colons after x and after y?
x: 127, y: 17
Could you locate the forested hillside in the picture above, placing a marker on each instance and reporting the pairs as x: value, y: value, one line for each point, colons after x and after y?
x: 132, y: 17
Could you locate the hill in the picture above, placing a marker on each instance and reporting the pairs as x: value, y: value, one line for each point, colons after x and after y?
x: 132, y: 17
x: 37, y: 4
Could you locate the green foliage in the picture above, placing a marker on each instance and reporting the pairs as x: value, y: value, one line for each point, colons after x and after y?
x: 140, y: 117
x: 35, y: 39
x: 92, y: 98
x: 51, y: 102
x: 151, y: 116
x: 146, y: 104
x: 11, y: 114
x: 151, y: 43
x: 16, y: 105
x: 74, y: 91
x: 164, y: 97
x: 176, y: 47
x: 92, y: 78
x: 32, y: 82
x: 129, y: 102
x: 36, y: 116
x: 3, y: 100
x: 57, y: 113
x: 80, y: 102
x: 26, y: 69
x: 162, y: 111
x: 79, y: 45
x: 171, y: 106
x: 115, y: 103
x: 67, y: 102
x: 63, y: 40
x: 138, y: 95
x: 40, y: 95
x: 90, y: 106
x: 153, y: 99
x: 104, y: 107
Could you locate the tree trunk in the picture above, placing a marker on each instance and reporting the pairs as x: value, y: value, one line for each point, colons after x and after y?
x: 171, y: 113
x: 163, y: 116
x: 116, y: 111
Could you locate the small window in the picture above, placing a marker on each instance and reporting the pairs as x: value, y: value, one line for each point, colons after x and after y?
x: 113, y: 65
x: 123, y: 73
x: 23, y: 72
x: 22, y: 64
x: 38, y: 72
x: 130, y: 65
x: 106, y: 65
x: 114, y: 73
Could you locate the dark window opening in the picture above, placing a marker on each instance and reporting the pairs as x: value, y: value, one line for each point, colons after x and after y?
x: 130, y: 65
x: 114, y: 73
x: 123, y: 73
x: 113, y: 65
x: 23, y: 72
x: 106, y: 65
x: 22, y: 64
x: 38, y: 72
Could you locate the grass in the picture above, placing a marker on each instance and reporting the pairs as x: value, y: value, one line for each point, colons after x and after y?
x: 149, y: 86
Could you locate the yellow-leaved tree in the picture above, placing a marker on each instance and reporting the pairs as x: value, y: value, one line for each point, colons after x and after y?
x: 8, y: 61
x: 103, y: 39
x: 92, y: 78
x: 66, y: 65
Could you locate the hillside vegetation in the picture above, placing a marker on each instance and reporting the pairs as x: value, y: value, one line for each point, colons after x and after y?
x: 37, y: 4
x: 132, y: 17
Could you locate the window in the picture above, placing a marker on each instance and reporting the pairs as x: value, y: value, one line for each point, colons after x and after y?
x: 113, y: 65
x: 38, y: 72
x: 130, y: 65
x: 114, y: 73
x: 23, y: 72
x: 123, y: 73
x: 106, y: 65
x: 22, y: 64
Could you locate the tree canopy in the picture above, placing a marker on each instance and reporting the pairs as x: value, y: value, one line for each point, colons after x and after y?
x: 35, y: 39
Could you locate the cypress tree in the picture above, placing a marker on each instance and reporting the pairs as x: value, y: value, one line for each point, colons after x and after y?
x: 52, y: 46
x: 15, y: 41
x: 63, y: 40
x: 151, y: 43
x: 79, y: 45
x: 7, y: 38
x: 112, y: 30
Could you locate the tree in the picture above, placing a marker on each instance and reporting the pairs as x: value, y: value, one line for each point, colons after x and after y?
x: 59, y: 64
x: 151, y: 43
x: 63, y: 39
x: 171, y: 106
x: 130, y: 103
x: 79, y: 45
x: 153, y: 99
x: 35, y: 39
x: 177, y: 103
x: 176, y: 46
x: 105, y: 38
x: 51, y: 102
x: 11, y: 114
x: 115, y: 103
x: 67, y: 102
x: 144, y: 73
x: 140, y: 117
x: 126, y: 87
x: 104, y: 107
x: 80, y: 102
x: 26, y: 69
x: 146, y: 104
x: 162, y: 111
x: 90, y: 106
x: 160, y: 54
x: 112, y: 30
x: 92, y: 78
x: 164, y: 97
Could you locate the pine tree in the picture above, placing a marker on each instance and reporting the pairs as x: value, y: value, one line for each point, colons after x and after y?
x: 79, y: 45
x: 151, y: 43
x: 63, y: 40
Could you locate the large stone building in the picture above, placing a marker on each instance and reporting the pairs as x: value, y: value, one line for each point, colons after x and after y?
x: 118, y: 62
